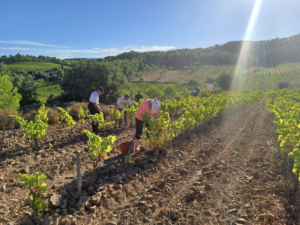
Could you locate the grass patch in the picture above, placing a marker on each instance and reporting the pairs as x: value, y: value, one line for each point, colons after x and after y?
x: 48, y: 88
x: 34, y: 66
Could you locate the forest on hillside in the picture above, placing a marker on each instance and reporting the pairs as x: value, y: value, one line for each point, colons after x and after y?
x: 267, y: 53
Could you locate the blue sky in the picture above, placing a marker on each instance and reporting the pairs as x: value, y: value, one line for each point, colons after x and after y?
x: 95, y: 29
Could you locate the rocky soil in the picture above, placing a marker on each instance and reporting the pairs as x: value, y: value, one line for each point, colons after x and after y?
x: 226, y: 171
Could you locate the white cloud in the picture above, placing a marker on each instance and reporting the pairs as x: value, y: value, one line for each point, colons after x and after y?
x: 90, y: 53
x: 22, y: 42
x: 20, y: 49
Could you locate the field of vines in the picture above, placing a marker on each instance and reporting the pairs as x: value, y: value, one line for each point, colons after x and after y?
x: 266, y: 78
x: 252, y: 78
x: 209, y: 160
x: 33, y: 66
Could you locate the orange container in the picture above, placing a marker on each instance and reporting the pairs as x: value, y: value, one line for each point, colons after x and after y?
x: 125, y: 147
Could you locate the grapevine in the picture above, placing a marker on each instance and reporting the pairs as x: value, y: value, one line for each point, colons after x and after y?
x: 37, y: 128
x: 131, y: 111
x: 99, y: 147
x: 287, y: 120
x: 98, y: 118
x: 65, y: 116
x: 116, y: 114
x: 37, y: 188
x: 82, y: 114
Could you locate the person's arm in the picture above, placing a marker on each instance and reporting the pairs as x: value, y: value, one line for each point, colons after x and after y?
x: 97, y: 107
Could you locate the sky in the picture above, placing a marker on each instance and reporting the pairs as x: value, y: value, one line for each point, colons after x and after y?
x: 99, y: 28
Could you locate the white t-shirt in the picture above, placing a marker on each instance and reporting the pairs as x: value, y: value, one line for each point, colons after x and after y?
x: 121, y: 101
x: 94, y: 97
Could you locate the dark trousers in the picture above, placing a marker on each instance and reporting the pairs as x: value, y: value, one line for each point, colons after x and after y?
x: 93, y: 110
x: 139, y: 128
x: 125, y: 117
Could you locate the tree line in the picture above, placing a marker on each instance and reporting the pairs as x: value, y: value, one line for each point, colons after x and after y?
x: 268, y: 53
x: 30, y: 58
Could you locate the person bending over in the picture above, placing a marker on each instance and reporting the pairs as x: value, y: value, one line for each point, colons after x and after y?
x: 121, y: 106
x: 138, y: 96
x: 94, y: 106
x: 149, y: 106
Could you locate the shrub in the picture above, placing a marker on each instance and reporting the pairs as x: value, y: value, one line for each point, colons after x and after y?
x: 75, y: 108
x: 170, y: 91
x: 53, y: 116
x: 216, y: 84
x: 283, y: 85
x: 224, y: 81
x: 204, y: 93
x: 4, y: 113
x: 154, y: 92
x: 107, y: 108
x: 30, y: 116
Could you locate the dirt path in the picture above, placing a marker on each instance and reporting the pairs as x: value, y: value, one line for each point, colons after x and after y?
x: 218, y: 174
x: 226, y: 171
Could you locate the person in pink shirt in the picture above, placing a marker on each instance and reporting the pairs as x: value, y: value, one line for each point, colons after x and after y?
x: 149, y: 106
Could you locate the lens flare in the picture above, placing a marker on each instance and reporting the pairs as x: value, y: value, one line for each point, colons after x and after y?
x: 244, y: 56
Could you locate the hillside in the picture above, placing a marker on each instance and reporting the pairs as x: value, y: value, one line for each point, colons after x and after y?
x: 253, y: 77
x: 27, y: 66
x: 263, y: 53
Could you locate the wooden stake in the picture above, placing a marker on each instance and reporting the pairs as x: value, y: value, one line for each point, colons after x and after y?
x: 78, y: 176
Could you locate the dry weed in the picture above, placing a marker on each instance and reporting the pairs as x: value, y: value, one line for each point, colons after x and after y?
x: 53, y: 116
x: 75, y: 108
x: 30, y: 116
x: 5, y: 123
x: 106, y: 108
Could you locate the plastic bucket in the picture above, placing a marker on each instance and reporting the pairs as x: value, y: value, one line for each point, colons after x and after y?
x: 125, y: 147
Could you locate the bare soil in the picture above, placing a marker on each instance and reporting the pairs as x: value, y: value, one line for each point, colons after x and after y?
x: 176, y: 77
x: 226, y: 171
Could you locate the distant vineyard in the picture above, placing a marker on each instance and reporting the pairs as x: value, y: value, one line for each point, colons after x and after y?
x: 26, y: 66
x: 266, y: 78
x: 252, y: 78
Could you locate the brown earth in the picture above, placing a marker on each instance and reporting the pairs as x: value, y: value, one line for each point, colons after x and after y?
x: 176, y: 77
x: 226, y: 171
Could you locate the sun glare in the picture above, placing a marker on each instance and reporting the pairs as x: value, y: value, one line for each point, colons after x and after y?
x: 243, y: 60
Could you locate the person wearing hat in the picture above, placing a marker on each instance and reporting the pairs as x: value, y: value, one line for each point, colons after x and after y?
x: 149, y: 106
x: 138, y: 96
x: 94, y: 106
x: 121, y: 105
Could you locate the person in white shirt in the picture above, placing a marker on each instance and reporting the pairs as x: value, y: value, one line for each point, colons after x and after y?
x: 124, y: 100
x: 94, y: 106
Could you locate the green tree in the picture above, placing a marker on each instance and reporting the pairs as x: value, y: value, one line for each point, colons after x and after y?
x: 154, y: 92
x: 204, y: 93
x: 9, y: 96
x: 224, y: 81
x: 170, y: 91
x: 86, y: 77
x: 60, y: 74
x: 4, y: 69
x: 27, y: 86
